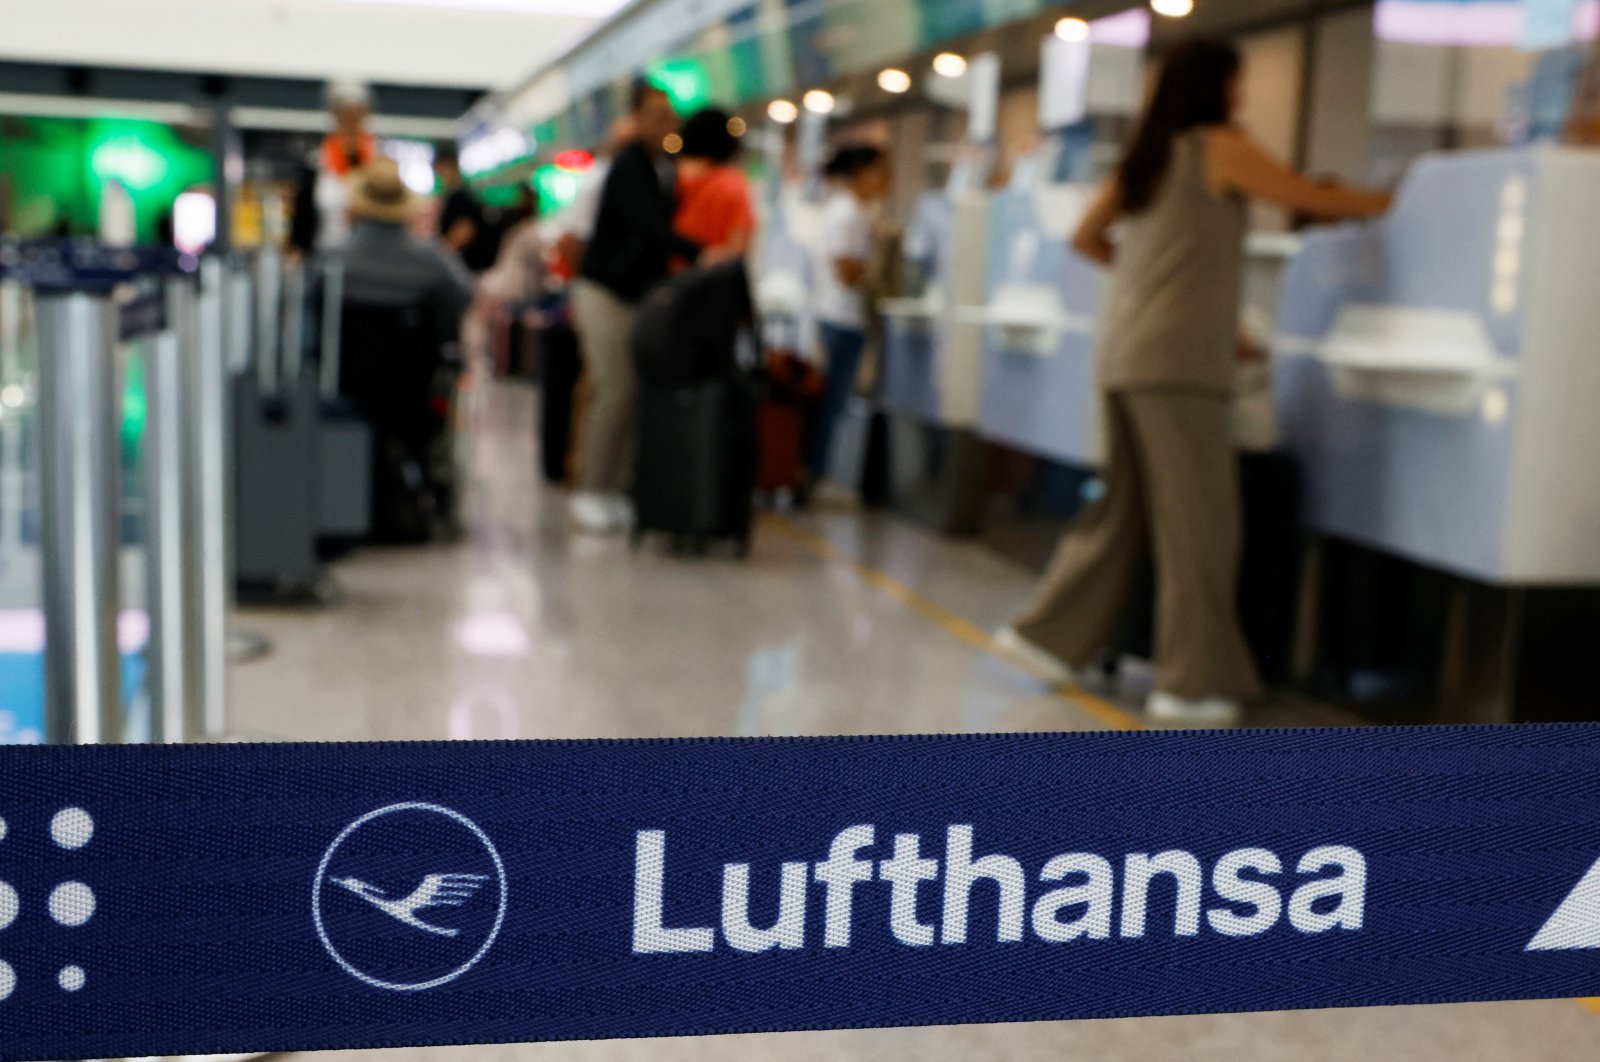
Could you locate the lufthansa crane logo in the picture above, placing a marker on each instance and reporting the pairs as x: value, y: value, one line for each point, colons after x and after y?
x: 409, y: 897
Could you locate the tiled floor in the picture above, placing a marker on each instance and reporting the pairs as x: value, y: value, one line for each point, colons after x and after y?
x: 841, y: 624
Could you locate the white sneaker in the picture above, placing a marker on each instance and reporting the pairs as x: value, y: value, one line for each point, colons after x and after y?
x: 1206, y: 712
x: 620, y: 509
x: 592, y: 513
x: 1048, y: 667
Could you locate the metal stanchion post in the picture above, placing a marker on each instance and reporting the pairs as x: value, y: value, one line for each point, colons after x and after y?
x: 211, y: 442
x: 79, y: 449
x: 174, y: 643
x: 10, y: 330
x: 11, y: 375
x: 240, y: 305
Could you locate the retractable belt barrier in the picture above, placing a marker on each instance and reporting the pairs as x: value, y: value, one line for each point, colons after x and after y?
x: 232, y: 898
x: 81, y: 263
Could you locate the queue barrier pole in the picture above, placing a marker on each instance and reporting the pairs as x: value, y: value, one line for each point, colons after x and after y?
x: 10, y: 330
x: 12, y: 310
x: 80, y: 323
x: 175, y: 634
x: 209, y: 489
x: 78, y: 514
x: 241, y: 334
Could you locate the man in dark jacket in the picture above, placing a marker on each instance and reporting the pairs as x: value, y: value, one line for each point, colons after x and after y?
x: 626, y: 256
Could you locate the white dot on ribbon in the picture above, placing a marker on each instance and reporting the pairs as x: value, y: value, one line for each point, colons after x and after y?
x: 10, y: 904
x: 72, y: 827
x: 71, y: 978
x: 72, y: 903
x: 8, y: 979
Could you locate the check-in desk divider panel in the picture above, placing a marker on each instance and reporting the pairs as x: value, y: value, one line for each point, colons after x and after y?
x: 1435, y: 378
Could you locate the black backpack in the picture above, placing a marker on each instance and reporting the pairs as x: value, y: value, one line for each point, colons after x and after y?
x: 688, y: 328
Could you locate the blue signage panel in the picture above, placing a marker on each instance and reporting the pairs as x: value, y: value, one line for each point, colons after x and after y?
x: 239, y: 898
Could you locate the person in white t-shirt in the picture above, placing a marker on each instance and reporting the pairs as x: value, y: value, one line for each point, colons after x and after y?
x: 862, y: 179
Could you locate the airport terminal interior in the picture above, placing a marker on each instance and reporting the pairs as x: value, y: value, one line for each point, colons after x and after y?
x: 482, y: 370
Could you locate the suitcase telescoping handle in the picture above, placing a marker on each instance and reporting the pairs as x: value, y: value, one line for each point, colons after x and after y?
x: 269, y: 306
x: 293, y: 344
x: 332, y: 328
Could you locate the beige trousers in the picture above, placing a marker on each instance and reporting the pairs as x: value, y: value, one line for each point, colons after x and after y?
x: 1171, y: 487
x: 610, y: 429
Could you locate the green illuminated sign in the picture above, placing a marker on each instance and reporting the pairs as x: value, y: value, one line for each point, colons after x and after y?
x: 686, y: 81
x: 557, y: 188
x: 131, y: 159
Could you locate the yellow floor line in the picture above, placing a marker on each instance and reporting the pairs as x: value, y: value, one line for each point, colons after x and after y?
x: 1108, y: 713
x: 1105, y: 711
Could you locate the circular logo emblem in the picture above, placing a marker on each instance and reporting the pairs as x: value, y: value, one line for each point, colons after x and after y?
x: 409, y: 897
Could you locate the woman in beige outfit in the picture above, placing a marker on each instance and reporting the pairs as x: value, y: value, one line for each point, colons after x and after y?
x: 1165, y: 362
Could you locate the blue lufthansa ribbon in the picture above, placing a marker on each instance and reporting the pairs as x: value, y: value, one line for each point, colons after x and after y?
x: 232, y: 898
x: 84, y: 264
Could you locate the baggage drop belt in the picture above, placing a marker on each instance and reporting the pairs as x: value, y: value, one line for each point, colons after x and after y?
x: 243, y: 898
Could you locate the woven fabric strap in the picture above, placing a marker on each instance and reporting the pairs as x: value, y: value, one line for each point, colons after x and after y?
x: 240, y: 898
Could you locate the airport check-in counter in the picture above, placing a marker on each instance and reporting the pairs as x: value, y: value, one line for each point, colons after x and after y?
x: 1039, y: 394
x: 931, y: 361
x: 1436, y: 376
x: 931, y: 357
x: 785, y: 263
x: 1038, y: 391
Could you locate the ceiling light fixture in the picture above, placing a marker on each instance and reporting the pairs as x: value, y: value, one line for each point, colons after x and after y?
x: 1172, y: 8
x: 895, y: 81
x: 782, y: 111
x: 1072, y: 29
x: 819, y: 101
x: 949, y: 64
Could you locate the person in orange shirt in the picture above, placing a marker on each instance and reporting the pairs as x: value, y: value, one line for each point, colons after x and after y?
x: 714, y: 208
x: 322, y: 202
x: 349, y: 147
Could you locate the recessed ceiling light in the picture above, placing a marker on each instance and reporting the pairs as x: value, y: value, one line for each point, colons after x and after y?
x: 1172, y: 8
x: 1072, y: 29
x: 949, y: 64
x: 895, y: 81
x: 782, y: 111
x: 819, y: 101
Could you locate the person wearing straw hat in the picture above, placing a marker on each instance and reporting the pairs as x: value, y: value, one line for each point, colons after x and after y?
x: 385, y: 265
x: 404, y: 298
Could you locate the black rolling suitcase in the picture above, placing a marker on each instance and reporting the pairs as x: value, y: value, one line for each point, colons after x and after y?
x: 695, y: 474
x: 698, y: 452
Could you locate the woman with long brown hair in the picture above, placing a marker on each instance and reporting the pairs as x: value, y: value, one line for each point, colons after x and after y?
x: 1165, y: 361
